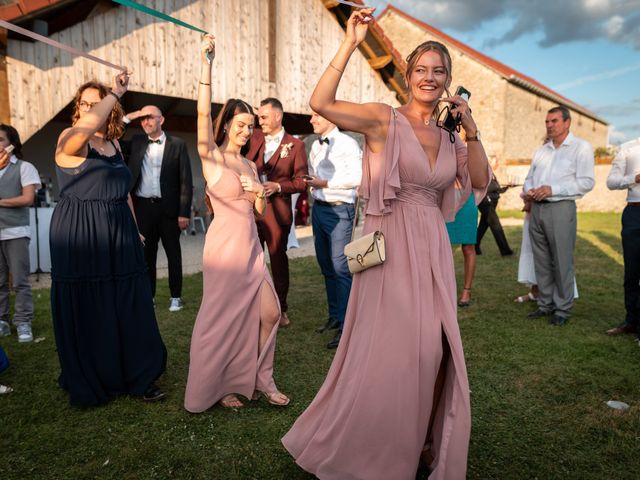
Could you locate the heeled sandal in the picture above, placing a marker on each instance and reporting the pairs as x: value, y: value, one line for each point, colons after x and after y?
x: 463, y: 304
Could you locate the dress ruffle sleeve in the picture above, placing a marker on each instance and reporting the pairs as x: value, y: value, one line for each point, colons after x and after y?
x: 381, y: 179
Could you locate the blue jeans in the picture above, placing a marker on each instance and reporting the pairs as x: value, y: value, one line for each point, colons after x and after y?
x: 332, y: 226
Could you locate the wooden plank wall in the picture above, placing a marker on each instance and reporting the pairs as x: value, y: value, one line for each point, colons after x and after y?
x: 165, y: 59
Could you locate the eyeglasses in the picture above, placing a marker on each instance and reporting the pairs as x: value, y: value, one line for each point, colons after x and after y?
x: 82, y: 105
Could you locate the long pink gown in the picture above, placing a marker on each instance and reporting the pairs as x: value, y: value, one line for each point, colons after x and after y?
x: 225, y: 355
x: 370, y: 418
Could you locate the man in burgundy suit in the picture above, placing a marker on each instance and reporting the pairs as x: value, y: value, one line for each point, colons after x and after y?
x: 282, y: 163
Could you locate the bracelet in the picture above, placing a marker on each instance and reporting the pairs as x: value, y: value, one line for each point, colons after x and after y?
x: 335, y: 68
x: 115, y: 95
x: 202, y: 83
x: 261, y: 197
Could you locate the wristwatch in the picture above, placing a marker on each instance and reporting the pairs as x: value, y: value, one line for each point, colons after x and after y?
x: 475, y: 138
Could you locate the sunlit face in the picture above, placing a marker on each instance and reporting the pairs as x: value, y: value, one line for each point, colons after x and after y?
x: 240, y: 129
x: 429, y: 77
x: 4, y: 139
x: 151, y: 121
x: 89, y: 98
x: 270, y: 119
x: 556, y: 126
x: 321, y: 126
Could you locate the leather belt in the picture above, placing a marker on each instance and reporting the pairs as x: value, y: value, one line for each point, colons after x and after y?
x: 151, y: 199
x: 633, y: 204
x: 330, y: 204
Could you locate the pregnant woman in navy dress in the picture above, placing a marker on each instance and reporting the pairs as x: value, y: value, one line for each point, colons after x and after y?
x: 106, y: 332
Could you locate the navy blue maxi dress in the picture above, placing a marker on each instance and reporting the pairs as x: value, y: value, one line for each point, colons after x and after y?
x: 106, y: 332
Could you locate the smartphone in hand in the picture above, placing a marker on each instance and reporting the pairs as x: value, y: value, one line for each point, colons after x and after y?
x: 451, y: 121
x: 463, y: 92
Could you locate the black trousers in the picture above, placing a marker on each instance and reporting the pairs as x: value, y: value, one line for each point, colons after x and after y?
x: 489, y: 219
x: 631, y: 253
x: 155, y: 225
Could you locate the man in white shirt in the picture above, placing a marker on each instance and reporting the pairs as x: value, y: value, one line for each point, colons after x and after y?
x: 625, y: 175
x: 335, y: 165
x: 562, y: 171
x: 161, y: 191
x: 19, y: 181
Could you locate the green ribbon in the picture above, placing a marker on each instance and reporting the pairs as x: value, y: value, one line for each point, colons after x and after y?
x: 157, y: 14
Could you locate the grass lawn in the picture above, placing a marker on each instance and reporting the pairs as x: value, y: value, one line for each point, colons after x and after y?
x: 538, y: 392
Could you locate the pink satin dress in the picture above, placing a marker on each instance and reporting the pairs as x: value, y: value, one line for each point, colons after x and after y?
x: 370, y: 418
x: 225, y: 356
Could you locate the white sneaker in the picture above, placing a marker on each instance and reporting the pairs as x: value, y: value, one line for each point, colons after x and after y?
x: 175, y: 304
x: 24, y: 333
x: 5, y: 329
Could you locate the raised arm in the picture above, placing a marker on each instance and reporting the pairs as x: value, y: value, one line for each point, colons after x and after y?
x: 72, y: 141
x: 207, y: 149
x: 370, y: 119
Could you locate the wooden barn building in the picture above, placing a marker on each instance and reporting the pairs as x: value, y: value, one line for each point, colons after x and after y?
x: 264, y: 48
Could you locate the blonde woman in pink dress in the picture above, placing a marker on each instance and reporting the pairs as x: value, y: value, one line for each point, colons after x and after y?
x: 397, y: 390
x: 233, y: 341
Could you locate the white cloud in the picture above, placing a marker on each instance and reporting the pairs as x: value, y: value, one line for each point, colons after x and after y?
x: 597, y: 77
x: 615, y: 26
x: 560, y: 21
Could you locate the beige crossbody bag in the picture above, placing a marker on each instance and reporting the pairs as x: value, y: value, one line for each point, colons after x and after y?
x: 365, y: 252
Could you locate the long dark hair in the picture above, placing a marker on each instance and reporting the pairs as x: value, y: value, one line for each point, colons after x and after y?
x: 14, y: 139
x: 233, y: 107
x: 115, y: 127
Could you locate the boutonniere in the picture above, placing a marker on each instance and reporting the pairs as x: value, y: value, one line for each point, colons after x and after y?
x: 286, y: 148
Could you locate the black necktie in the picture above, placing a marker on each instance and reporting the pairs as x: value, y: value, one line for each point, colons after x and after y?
x: 323, y: 140
x: 158, y: 141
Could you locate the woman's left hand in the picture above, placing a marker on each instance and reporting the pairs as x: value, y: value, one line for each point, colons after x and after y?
x: 142, y: 239
x: 459, y: 106
x: 249, y: 184
x: 120, y: 83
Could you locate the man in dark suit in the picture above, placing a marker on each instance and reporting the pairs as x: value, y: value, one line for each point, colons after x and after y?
x: 161, y: 191
x: 489, y: 218
x: 282, y: 163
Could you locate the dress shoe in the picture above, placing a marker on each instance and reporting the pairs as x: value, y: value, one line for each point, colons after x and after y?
x: 331, y: 324
x: 558, y: 321
x: 539, y: 313
x: 153, y: 394
x: 622, y: 329
x: 510, y: 253
x: 336, y: 340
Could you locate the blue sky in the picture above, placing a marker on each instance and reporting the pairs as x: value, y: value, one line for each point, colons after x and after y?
x: 586, y: 50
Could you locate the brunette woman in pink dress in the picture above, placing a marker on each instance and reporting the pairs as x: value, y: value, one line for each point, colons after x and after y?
x: 233, y: 341
x: 397, y: 390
